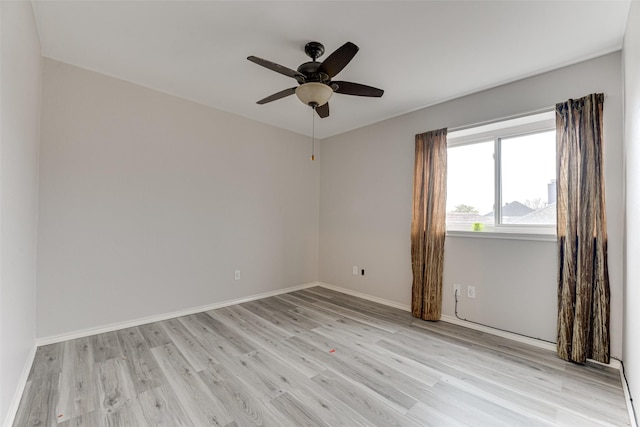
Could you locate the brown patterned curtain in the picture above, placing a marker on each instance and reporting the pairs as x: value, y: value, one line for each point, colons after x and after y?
x: 428, y: 223
x: 583, y: 277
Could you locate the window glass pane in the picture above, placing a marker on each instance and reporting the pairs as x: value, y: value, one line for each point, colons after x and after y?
x: 529, y: 179
x: 470, y: 186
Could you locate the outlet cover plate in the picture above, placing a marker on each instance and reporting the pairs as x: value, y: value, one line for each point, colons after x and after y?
x: 471, y: 291
x: 457, y: 288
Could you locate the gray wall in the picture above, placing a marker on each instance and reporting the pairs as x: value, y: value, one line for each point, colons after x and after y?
x: 365, y: 208
x: 20, y: 85
x: 148, y: 203
x: 632, y: 157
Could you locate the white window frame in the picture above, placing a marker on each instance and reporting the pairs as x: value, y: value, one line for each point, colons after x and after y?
x: 497, y: 131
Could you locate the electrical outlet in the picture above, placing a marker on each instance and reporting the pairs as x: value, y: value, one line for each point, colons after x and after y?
x: 471, y: 291
x: 355, y: 270
x: 237, y: 275
x: 457, y: 289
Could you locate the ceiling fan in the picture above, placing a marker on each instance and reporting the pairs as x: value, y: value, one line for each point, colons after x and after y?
x: 314, y: 78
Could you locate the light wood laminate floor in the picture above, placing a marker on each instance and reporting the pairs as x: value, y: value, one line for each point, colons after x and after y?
x: 312, y: 358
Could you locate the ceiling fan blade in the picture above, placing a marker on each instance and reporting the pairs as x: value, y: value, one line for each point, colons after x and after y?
x: 323, y: 110
x: 278, y: 95
x: 338, y: 59
x: 357, y: 89
x: 277, y: 68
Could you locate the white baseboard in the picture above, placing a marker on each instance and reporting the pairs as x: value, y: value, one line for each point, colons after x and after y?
x: 165, y: 316
x: 15, y: 401
x: 454, y: 320
x: 512, y: 336
x: 444, y: 318
x: 368, y: 297
x: 627, y: 396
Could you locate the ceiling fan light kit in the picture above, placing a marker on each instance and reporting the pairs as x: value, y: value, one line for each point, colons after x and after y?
x: 314, y: 94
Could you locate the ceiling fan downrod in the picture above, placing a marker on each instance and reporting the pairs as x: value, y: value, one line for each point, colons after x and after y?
x: 314, y: 50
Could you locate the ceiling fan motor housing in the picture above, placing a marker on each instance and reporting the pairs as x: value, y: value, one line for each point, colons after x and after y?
x: 310, y: 70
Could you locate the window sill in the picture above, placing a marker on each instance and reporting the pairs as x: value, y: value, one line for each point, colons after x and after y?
x: 536, y: 235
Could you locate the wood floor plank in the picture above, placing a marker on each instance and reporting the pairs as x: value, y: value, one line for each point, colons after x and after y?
x: 509, y: 397
x: 359, y: 375
x: 219, y: 347
x: 366, y: 404
x: 296, y: 298
x: 455, y: 334
x: 351, y: 330
x: 420, y: 372
x: 115, y: 385
x: 595, y: 402
x: 416, y: 382
x: 125, y: 416
x: 366, y: 319
x: 272, y: 304
x: 194, y: 395
x: 442, y: 364
x: 290, y: 354
x: 278, y: 344
x: 296, y: 414
x: 154, y: 335
x: 315, y: 293
x: 312, y: 357
x: 473, y: 410
x: 596, y: 374
x: 259, y: 380
x: 288, y: 319
x: 239, y: 400
x: 378, y: 311
x: 105, y: 346
x: 428, y: 416
x: 192, y: 350
x: 143, y: 368
x: 572, y: 419
x: 77, y: 391
x: 253, y: 326
x: 47, y: 361
x: 93, y: 418
x: 535, y: 387
x: 230, y: 334
x: 161, y: 407
x: 38, y: 403
x: 326, y: 405
x: 279, y: 376
x: 317, y: 315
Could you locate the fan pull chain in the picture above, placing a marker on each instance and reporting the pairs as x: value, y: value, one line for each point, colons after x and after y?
x: 313, y: 133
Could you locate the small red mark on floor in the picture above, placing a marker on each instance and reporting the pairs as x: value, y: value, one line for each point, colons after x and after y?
x: 333, y: 350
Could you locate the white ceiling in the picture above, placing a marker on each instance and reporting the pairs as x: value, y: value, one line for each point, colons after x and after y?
x: 420, y: 52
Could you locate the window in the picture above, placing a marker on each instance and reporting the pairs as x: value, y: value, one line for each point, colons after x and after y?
x: 510, y: 165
